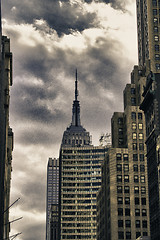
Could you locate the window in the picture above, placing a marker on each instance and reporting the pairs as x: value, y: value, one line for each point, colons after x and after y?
x: 120, y: 235
x: 128, y: 235
x: 138, y: 234
x: 119, y: 178
x: 126, y: 189
x: 119, y: 189
x: 139, y: 115
x: 156, y: 38
x: 127, y: 211
x: 120, y: 200
x: 157, y: 57
x: 140, y: 136
x: 138, y: 225
x: 155, y: 20
x: 120, y: 120
x: 120, y: 131
x: 133, y: 114
x: 157, y: 66
x: 134, y: 126
x: 137, y: 212
x: 140, y: 126
x: 120, y: 211
x: 136, y: 189
x: 145, y: 234
x: 143, y: 200
x: 136, y: 200
x: 127, y: 200
x: 133, y: 101
x: 154, y: 3
x: 134, y: 146
x: 118, y: 156
x: 142, y: 179
x: 141, y: 157
x: 142, y: 168
x: 144, y: 212
x: 155, y: 29
x: 144, y: 224
x: 128, y: 223
x: 154, y: 12
x: 136, y: 179
x: 126, y: 178
x: 133, y: 91
x: 119, y: 167
x: 125, y: 157
x: 135, y: 167
x: 126, y: 167
x: 135, y: 157
x: 141, y: 146
x: 143, y: 190
x: 156, y: 48
x: 134, y: 136
x: 120, y: 223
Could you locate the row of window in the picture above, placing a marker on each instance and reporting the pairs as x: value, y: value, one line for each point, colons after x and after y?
x: 127, y: 201
x: 154, y: 3
x: 128, y: 235
x: 141, y: 146
x: 119, y: 156
x: 133, y: 115
x: 134, y: 126
x: 126, y: 168
x: 126, y: 178
x: 126, y: 212
x: 134, y: 136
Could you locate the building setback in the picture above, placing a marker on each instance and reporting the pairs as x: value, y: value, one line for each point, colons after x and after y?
x: 52, y: 195
x: 122, y: 202
x: 80, y: 179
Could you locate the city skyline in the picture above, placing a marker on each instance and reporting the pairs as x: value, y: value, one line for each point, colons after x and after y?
x: 41, y: 99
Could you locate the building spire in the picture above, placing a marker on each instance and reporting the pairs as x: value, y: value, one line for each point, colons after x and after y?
x: 76, y: 106
x: 76, y: 86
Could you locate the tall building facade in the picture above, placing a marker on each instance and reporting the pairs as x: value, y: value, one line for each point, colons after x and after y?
x: 80, y: 179
x: 6, y: 134
x: 148, y: 25
x: 148, y: 22
x: 122, y: 202
x: 52, y: 196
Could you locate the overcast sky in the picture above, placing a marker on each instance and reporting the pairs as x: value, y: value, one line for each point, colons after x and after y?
x: 49, y: 40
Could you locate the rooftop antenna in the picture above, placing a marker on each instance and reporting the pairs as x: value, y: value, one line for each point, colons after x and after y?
x: 76, y: 86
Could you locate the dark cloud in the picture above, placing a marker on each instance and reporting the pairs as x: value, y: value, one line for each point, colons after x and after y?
x: 62, y: 16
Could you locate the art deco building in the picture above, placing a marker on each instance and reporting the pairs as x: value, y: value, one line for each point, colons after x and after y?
x: 122, y: 202
x: 52, y: 196
x: 6, y: 135
x: 80, y: 179
x: 148, y: 25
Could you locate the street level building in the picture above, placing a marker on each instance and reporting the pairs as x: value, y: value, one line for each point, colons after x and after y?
x: 52, y: 196
x: 122, y: 202
x: 80, y: 179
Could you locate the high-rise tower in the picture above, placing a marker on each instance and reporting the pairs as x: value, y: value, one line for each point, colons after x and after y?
x: 148, y: 25
x: 6, y: 134
x: 80, y: 179
x: 123, y: 205
x: 52, y: 195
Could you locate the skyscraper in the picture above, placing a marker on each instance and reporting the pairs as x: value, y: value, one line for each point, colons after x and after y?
x: 6, y: 134
x: 122, y: 202
x: 80, y: 179
x: 52, y: 194
x: 148, y: 20
x: 148, y: 24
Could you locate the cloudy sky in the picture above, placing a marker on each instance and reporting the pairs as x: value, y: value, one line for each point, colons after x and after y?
x: 49, y: 40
